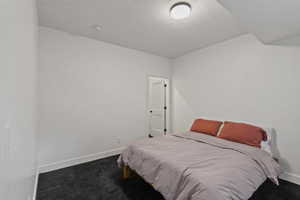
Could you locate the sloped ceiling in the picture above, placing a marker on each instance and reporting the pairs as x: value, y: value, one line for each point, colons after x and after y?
x: 272, y: 21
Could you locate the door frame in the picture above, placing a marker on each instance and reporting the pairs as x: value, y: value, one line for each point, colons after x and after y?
x: 167, y: 103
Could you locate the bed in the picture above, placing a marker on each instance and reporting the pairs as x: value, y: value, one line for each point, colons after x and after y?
x: 194, y: 166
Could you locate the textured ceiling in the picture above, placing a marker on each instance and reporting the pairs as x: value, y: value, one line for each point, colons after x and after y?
x: 142, y: 24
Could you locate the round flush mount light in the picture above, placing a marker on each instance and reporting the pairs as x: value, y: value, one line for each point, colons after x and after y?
x: 97, y: 27
x: 180, y: 10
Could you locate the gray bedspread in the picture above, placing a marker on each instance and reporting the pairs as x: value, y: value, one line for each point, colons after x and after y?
x: 195, y: 166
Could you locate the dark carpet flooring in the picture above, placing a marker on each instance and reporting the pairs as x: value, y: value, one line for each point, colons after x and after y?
x: 102, y: 180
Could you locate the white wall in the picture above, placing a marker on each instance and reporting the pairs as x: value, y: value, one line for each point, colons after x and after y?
x: 92, y: 94
x: 242, y: 79
x: 18, y: 42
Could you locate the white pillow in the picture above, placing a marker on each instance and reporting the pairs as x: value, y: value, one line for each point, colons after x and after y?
x: 269, y: 145
x: 266, y: 147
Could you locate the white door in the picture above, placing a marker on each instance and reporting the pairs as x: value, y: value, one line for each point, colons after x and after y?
x: 157, y: 106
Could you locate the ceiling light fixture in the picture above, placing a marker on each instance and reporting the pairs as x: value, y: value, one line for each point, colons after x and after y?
x: 180, y: 10
x: 97, y: 27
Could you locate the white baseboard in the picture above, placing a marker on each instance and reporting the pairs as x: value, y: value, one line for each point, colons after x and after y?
x: 79, y: 160
x: 293, y: 178
x: 35, y: 184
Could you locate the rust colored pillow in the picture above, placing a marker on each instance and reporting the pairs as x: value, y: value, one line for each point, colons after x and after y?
x: 243, y: 133
x: 209, y: 127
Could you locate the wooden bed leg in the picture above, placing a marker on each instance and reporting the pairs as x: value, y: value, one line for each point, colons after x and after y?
x: 126, y: 172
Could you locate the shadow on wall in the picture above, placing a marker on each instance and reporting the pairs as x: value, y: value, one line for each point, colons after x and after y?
x: 183, y: 114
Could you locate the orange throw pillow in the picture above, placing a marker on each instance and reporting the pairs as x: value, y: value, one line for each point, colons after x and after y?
x: 209, y: 127
x: 243, y: 133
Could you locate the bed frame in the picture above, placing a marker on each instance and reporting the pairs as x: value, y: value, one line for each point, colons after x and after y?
x: 127, y: 172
